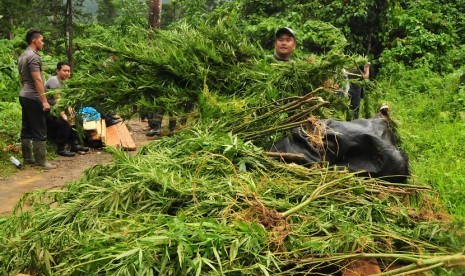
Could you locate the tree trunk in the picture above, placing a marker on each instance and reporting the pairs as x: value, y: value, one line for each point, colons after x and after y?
x: 154, y: 16
x: 69, y: 31
x: 10, y: 31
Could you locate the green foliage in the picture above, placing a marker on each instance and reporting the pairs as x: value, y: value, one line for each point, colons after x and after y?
x: 430, y: 112
x: 129, y: 14
x: 312, y: 36
x: 47, y: 15
x: 11, y: 11
x: 10, y: 119
x: 106, y: 12
x: 10, y: 126
x: 196, y: 204
x: 418, y: 37
x: 359, y: 21
x: 398, y: 31
x: 194, y: 11
x: 9, y: 79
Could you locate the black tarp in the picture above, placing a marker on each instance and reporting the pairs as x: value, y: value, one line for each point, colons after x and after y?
x: 368, y: 146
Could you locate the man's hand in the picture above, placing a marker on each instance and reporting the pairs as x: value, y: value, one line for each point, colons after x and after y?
x: 46, y: 106
x: 63, y: 116
x: 366, y: 70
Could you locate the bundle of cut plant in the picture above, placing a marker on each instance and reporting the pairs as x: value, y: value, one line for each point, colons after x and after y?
x: 181, y: 61
x: 280, y: 116
x: 208, y: 203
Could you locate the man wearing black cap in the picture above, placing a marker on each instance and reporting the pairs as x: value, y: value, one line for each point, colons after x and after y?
x: 284, y: 44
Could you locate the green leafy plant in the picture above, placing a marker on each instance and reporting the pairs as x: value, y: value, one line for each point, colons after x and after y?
x: 9, y: 79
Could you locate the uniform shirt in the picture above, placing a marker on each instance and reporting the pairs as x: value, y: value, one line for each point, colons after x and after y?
x: 28, y: 62
x: 272, y: 58
x: 52, y: 83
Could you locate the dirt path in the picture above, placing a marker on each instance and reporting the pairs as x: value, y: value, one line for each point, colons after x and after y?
x: 69, y: 168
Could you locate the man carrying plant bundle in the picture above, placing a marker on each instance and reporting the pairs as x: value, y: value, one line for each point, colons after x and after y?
x: 284, y: 44
x: 355, y: 91
x: 59, y: 128
x: 33, y: 102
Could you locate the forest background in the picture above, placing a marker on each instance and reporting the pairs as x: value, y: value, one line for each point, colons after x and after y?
x: 417, y: 52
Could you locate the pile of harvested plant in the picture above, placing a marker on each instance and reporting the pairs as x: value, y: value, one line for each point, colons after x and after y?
x: 206, y: 202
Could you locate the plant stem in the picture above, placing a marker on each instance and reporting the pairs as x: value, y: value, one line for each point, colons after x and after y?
x: 315, y: 194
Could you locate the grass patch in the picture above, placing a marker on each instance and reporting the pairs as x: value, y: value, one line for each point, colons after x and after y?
x: 432, y: 130
x: 10, y: 127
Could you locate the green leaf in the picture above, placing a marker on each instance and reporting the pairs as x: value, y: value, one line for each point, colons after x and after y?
x: 233, y: 250
x: 127, y: 253
x: 180, y: 251
x: 264, y: 269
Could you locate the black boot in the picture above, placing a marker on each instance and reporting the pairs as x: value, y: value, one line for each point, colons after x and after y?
x: 172, y: 126
x: 155, y: 126
x: 63, y: 151
x: 153, y: 132
x: 26, y: 148
x: 40, y: 148
x: 110, y: 119
x: 75, y: 147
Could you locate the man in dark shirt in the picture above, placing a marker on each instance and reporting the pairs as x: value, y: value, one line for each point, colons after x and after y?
x: 33, y: 102
x: 355, y: 91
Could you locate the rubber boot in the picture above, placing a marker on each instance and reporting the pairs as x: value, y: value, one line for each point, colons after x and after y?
x: 40, y: 149
x: 26, y: 148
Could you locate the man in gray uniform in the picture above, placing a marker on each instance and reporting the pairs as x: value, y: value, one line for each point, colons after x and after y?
x: 33, y: 102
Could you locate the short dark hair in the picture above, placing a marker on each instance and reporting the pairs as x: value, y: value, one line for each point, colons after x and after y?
x: 33, y: 34
x: 61, y: 63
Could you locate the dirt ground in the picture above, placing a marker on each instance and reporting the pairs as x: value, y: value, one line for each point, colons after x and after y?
x: 69, y: 168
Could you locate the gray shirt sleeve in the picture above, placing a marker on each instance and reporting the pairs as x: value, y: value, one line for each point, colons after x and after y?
x: 52, y: 83
x: 35, y: 65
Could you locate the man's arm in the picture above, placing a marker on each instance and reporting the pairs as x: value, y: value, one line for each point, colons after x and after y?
x: 39, y: 84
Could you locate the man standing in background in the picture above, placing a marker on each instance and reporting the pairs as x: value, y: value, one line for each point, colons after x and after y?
x: 33, y: 102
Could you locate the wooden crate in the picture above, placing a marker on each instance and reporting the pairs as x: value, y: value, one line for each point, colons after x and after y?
x: 95, y: 130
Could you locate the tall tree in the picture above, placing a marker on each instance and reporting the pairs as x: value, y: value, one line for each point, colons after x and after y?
x: 154, y: 16
x: 106, y: 12
x: 69, y: 31
x: 11, y: 12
